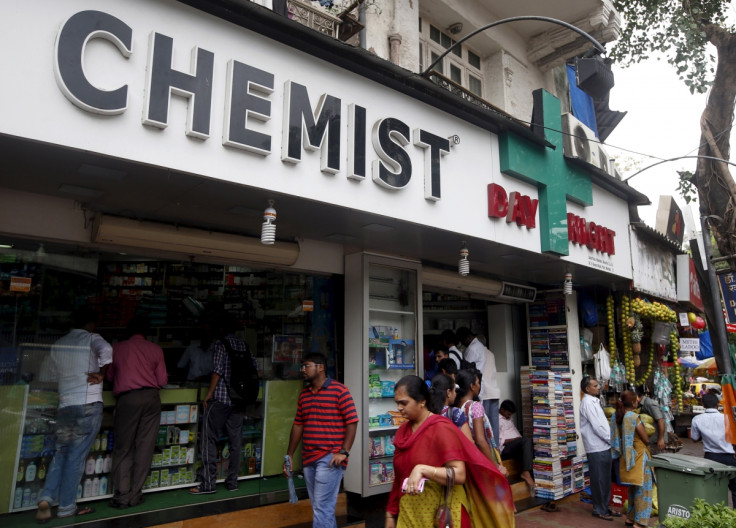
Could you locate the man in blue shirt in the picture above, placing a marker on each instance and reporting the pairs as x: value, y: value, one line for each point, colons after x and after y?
x: 710, y: 427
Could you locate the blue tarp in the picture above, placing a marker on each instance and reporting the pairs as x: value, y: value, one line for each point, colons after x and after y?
x: 706, y: 347
x: 582, y: 103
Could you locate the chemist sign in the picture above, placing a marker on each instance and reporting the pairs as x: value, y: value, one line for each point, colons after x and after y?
x: 727, y: 282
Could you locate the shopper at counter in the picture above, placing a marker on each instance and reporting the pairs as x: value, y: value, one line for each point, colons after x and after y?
x: 326, y: 421
x: 485, y: 362
x: 78, y: 362
x: 219, y: 411
x: 658, y: 440
x: 198, y: 357
x: 138, y: 372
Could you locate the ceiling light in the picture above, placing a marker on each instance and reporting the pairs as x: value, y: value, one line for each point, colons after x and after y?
x: 268, y: 228
x: 6, y: 246
x: 463, y: 267
x: 567, y: 284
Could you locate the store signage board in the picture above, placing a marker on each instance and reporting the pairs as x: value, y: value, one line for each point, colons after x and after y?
x: 727, y: 283
x: 222, y: 102
x: 654, y: 268
x: 689, y: 344
x: 688, y: 288
x: 20, y: 284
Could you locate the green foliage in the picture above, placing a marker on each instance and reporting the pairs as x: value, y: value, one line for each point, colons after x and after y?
x: 677, y: 29
x: 705, y: 515
x: 686, y: 188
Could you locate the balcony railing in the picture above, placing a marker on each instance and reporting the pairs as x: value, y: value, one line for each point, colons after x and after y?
x: 308, y: 15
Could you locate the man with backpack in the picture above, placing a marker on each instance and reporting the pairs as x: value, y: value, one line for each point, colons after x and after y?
x: 224, y: 405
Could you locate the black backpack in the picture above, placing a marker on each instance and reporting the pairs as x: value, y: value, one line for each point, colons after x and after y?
x: 464, y: 363
x: 244, y: 381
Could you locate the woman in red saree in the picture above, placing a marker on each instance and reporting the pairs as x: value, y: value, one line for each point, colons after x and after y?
x: 425, y: 445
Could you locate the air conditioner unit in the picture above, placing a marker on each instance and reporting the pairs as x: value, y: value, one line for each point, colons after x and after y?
x: 476, y: 286
x: 579, y: 142
x: 456, y: 283
x: 517, y: 292
x: 189, y: 241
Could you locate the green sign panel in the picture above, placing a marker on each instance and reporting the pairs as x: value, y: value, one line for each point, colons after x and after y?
x: 556, y: 179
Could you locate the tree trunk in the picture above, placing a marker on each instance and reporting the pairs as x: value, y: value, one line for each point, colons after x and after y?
x: 716, y: 187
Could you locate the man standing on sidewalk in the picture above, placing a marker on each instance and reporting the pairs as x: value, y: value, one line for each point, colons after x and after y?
x: 710, y: 427
x: 138, y: 372
x: 326, y: 421
x: 78, y: 362
x: 596, y: 435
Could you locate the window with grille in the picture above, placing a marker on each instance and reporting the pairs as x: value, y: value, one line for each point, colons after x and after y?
x: 462, y: 65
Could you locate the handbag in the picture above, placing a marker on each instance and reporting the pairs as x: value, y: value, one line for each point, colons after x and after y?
x: 443, y: 515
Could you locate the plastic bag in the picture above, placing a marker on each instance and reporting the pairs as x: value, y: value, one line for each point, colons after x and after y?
x: 588, y: 309
x: 602, y: 365
x: 586, y: 349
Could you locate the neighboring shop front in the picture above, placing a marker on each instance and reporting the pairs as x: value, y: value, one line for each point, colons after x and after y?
x: 377, y: 186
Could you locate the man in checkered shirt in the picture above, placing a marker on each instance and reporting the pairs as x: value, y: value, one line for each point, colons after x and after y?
x: 219, y: 412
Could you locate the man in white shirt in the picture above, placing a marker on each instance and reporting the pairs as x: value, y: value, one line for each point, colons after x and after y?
x: 449, y: 341
x: 77, y: 362
x: 485, y: 362
x: 596, y: 435
x: 710, y: 427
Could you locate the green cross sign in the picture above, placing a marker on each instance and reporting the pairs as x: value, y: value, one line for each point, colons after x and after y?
x: 556, y: 179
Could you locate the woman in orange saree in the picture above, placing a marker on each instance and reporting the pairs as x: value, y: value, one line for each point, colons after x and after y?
x: 425, y: 445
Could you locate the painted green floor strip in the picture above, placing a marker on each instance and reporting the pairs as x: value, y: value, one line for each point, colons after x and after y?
x: 157, y: 501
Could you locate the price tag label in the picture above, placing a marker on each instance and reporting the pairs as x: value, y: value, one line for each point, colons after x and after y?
x: 684, y: 321
x: 689, y: 344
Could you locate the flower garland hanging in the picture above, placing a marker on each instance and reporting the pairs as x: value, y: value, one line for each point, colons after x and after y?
x: 629, y: 361
x: 675, y: 348
x: 610, y: 312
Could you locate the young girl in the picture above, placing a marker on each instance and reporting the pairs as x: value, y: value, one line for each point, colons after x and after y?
x: 468, y: 383
x: 441, y: 395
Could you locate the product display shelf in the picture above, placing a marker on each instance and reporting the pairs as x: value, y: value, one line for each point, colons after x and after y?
x: 36, y: 449
x: 386, y: 311
x: 450, y: 312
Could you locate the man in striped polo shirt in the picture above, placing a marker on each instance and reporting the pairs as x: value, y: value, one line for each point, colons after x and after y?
x: 325, y: 422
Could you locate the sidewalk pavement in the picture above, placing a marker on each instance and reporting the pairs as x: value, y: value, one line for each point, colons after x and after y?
x: 574, y: 513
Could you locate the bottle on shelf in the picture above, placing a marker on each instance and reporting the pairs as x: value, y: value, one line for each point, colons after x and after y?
x: 18, y: 500
x: 103, y: 441
x: 21, y: 473
x: 107, y: 464
x: 80, y: 490
x: 95, y: 486
x: 89, y: 467
x: 103, y: 485
x: 26, y: 498
x: 96, y: 443
x: 31, y: 471
x: 87, y: 488
x: 99, y: 463
x: 42, y: 470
